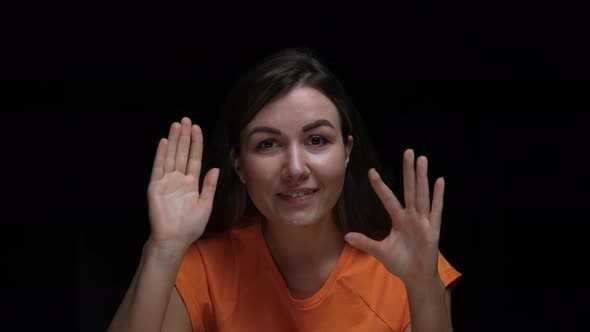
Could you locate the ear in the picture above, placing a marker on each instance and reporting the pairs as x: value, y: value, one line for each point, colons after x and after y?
x: 236, y: 163
x: 349, y: 144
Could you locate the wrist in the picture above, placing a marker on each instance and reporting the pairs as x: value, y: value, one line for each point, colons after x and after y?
x: 168, y: 252
x: 431, y: 286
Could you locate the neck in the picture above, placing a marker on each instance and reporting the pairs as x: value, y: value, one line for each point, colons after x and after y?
x: 307, y: 249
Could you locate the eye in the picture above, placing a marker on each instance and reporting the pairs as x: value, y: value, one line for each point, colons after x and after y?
x: 317, y: 140
x: 266, y: 144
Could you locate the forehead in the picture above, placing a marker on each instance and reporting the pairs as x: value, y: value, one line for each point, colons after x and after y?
x: 296, y: 108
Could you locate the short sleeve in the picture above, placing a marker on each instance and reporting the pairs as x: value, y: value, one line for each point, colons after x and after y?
x: 448, y: 274
x: 192, y: 285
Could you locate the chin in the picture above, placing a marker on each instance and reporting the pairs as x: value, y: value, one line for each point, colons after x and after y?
x: 296, y: 219
x: 299, y: 222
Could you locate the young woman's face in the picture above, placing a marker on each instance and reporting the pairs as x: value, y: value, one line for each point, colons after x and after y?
x: 293, y: 158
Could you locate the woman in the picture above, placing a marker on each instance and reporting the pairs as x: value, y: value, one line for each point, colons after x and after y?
x: 298, y: 232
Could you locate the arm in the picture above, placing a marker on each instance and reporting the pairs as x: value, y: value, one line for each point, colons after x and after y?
x: 178, y: 216
x: 416, y: 317
x: 151, y: 297
x: 410, y: 251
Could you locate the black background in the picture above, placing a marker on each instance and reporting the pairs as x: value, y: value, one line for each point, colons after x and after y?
x: 91, y: 87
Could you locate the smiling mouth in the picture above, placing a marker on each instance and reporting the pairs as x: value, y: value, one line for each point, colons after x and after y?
x: 297, y: 194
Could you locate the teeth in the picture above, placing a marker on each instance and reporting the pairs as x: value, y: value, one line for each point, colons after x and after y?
x: 295, y: 195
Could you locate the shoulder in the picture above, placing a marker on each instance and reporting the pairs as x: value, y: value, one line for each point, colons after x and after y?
x: 382, y: 292
x: 366, y: 274
x: 211, y: 269
x: 218, y: 255
x: 369, y: 278
x: 226, y: 244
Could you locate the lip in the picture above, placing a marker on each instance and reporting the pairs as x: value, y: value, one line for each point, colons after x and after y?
x: 297, y: 201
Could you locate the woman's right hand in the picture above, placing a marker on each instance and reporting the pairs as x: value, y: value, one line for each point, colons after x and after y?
x: 178, y: 211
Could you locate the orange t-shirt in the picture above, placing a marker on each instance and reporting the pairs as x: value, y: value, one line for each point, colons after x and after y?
x: 231, y: 283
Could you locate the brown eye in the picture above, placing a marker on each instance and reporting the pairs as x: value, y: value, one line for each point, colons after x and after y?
x: 266, y: 144
x: 317, y: 140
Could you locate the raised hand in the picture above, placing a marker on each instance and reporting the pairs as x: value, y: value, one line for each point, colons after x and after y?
x: 178, y: 211
x: 410, y: 251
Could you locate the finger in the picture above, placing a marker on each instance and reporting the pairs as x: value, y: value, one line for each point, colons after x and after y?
x: 196, y: 153
x: 173, y: 136
x: 409, y: 179
x: 387, y: 197
x: 437, y: 203
x: 209, y: 185
x: 362, y: 242
x: 158, y: 167
x: 184, y: 142
x: 422, y: 190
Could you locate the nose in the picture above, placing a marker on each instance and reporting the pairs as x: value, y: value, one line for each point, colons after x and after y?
x: 295, y: 168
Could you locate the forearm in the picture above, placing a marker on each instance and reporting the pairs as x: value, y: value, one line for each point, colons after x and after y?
x: 144, y: 306
x: 428, y: 307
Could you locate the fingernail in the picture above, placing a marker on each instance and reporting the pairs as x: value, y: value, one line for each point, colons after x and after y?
x: 373, y: 174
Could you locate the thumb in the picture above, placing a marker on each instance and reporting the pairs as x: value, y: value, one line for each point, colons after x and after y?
x: 210, y: 184
x: 362, y: 242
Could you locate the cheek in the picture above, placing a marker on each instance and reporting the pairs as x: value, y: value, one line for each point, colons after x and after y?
x: 258, y: 172
x: 259, y: 176
x: 335, y: 175
x: 331, y: 169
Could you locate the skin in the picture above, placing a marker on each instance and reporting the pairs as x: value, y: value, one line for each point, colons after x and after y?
x: 178, y: 211
x: 294, y: 144
x: 410, y: 250
x: 301, y: 235
x: 277, y: 156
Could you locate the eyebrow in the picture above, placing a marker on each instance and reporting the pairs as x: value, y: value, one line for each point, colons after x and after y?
x: 318, y: 123
x: 307, y: 127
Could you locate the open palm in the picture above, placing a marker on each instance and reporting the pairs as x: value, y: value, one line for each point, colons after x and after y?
x: 178, y: 211
x: 410, y: 251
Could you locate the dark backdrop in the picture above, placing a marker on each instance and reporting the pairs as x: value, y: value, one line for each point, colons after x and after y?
x: 95, y: 85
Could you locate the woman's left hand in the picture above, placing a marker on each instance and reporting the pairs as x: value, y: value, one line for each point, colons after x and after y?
x: 410, y: 251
